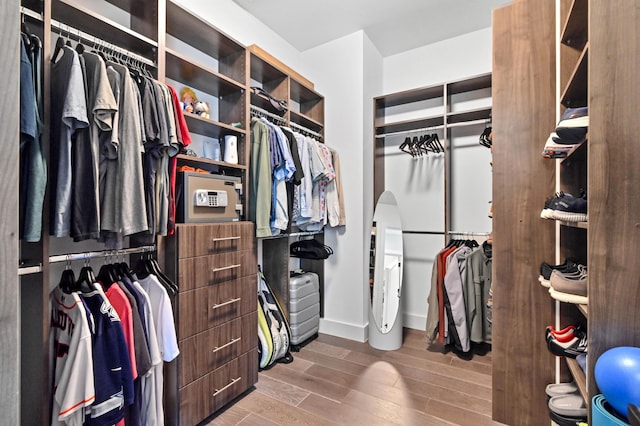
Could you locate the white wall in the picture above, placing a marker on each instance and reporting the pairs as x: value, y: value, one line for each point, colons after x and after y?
x: 419, y: 183
x: 449, y: 60
x: 349, y: 70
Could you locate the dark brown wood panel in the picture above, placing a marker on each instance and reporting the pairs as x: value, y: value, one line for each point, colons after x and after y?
x: 204, y: 239
x: 523, y: 117
x: 210, y: 350
x: 614, y: 222
x: 203, y: 271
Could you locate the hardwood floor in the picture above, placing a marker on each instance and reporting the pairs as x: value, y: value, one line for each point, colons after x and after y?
x: 334, y: 381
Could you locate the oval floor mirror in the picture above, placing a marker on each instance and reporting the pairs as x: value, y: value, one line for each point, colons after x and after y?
x: 385, y: 281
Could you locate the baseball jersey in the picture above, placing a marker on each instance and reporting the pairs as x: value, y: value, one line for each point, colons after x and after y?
x: 111, y: 366
x: 70, y: 339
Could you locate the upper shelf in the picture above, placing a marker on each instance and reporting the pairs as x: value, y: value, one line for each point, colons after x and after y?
x: 576, y: 92
x: 210, y: 128
x: 201, y: 35
x: 409, y: 96
x: 469, y: 85
x: 408, y: 125
x: 305, y: 121
x: 81, y: 18
x: 185, y: 70
x: 576, y: 27
x: 469, y: 116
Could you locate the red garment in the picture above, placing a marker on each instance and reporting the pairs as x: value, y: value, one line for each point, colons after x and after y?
x: 442, y: 270
x: 121, y: 304
x: 185, y: 139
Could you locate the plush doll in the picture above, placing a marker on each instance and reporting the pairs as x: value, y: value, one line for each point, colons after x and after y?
x: 201, y: 108
x: 187, y: 99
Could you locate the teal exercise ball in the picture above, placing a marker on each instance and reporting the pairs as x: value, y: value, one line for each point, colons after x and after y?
x: 617, y: 374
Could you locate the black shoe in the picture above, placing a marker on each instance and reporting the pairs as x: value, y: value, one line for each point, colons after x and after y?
x: 570, y: 349
x: 568, y: 266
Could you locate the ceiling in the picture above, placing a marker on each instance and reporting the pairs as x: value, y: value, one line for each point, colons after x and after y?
x: 394, y: 26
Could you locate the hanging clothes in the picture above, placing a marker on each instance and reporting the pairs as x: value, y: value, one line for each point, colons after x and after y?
x: 459, y: 309
x: 115, y: 134
x: 129, y: 333
x: 68, y: 114
x: 33, y: 171
x: 71, y: 352
x: 304, y: 189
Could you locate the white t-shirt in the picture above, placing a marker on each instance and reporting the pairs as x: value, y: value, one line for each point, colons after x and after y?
x: 70, y: 339
x: 152, y: 409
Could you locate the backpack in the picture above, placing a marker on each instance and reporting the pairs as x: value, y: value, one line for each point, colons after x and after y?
x: 274, y: 335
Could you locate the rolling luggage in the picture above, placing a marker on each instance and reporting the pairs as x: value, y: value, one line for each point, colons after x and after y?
x: 304, y: 308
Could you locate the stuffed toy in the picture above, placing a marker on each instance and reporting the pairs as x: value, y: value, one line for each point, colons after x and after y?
x: 201, y: 108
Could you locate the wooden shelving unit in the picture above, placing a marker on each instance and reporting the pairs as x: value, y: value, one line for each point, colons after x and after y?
x: 305, y: 109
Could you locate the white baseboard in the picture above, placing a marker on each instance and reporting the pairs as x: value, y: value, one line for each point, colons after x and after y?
x: 416, y: 322
x: 358, y: 333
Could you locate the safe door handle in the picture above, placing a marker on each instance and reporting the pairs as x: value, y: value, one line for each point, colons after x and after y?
x: 215, y: 240
x: 225, y: 268
x: 228, y: 302
x: 229, y: 343
x: 217, y: 391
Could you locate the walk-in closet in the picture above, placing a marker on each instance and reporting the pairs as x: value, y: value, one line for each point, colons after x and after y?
x: 322, y: 212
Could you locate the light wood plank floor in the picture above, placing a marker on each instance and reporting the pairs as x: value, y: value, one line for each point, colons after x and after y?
x: 334, y: 381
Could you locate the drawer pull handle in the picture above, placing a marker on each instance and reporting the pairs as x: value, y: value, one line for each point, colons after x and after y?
x: 228, y: 302
x: 215, y: 240
x: 224, y: 268
x: 227, y: 386
x: 229, y: 343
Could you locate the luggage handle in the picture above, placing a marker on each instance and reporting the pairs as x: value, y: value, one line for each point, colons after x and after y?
x: 228, y: 302
x: 215, y: 240
x: 229, y: 343
x: 217, y: 391
x: 224, y: 268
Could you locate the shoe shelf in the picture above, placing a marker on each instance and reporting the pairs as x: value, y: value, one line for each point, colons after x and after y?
x: 584, y: 309
x: 580, y: 225
x: 578, y: 377
x: 576, y: 27
x: 573, y: 153
x: 576, y: 93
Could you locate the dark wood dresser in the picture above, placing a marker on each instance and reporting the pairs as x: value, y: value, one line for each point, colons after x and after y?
x: 215, y: 268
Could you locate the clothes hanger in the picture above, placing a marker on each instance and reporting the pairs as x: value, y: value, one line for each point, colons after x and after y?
x: 107, y: 275
x: 58, y: 47
x: 86, y: 279
x: 79, y: 46
x: 67, y: 279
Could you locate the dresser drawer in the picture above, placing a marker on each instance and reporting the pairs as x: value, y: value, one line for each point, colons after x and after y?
x: 207, y: 307
x: 203, y: 397
x: 204, y: 239
x: 212, y: 349
x: 197, y: 272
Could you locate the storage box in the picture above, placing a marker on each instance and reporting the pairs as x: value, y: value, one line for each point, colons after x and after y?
x: 208, y: 198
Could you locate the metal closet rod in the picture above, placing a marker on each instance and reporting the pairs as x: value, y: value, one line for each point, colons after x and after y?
x: 96, y: 41
x: 94, y: 254
x: 404, y: 132
x: 264, y: 113
x: 473, y: 233
x: 31, y: 13
x: 305, y: 130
